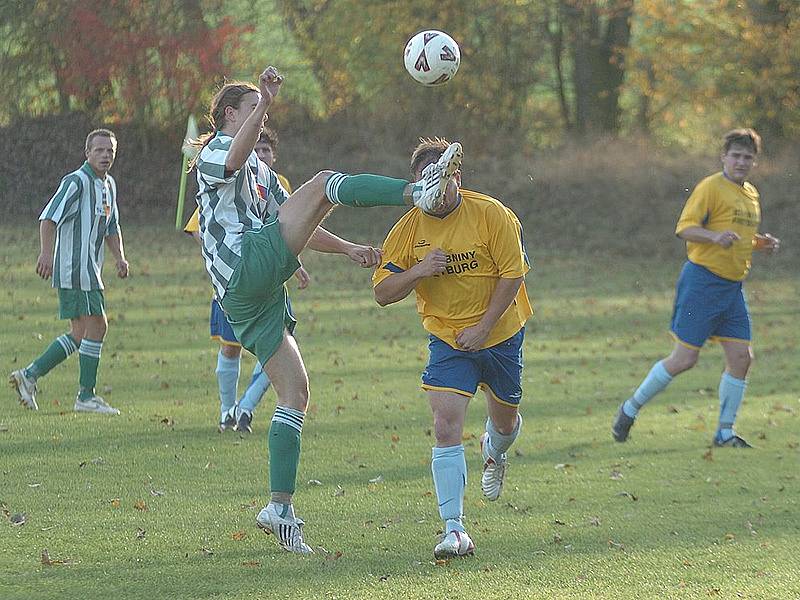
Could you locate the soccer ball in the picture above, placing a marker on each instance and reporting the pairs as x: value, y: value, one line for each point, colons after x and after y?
x: 432, y: 57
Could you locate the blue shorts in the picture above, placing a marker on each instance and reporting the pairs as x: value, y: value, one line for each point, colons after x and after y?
x: 497, y: 369
x: 708, y: 306
x: 221, y: 330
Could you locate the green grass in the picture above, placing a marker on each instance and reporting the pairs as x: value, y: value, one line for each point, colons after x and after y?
x: 581, y: 516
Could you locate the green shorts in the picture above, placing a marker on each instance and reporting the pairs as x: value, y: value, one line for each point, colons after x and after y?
x: 73, y: 304
x: 255, y: 301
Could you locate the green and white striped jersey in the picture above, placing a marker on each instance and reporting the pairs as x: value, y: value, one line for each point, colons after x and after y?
x: 230, y: 205
x: 84, y: 209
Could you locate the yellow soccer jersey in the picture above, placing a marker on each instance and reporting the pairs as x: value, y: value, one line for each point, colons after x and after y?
x: 483, y: 242
x: 719, y: 204
x: 193, y: 224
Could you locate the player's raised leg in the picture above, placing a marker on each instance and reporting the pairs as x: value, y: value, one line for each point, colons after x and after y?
x: 660, y: 376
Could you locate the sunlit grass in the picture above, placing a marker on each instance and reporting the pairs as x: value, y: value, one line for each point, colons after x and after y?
x: 154, y: 503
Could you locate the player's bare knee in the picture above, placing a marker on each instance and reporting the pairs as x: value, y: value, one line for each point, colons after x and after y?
x: 230, y: 351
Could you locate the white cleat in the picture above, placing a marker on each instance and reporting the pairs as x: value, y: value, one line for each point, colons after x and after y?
x: 95, y: 404
x: 25, y: 388
x: 429, y: 194
x: 455, y: 543
x: 493, y: 471
x: 288, y: 531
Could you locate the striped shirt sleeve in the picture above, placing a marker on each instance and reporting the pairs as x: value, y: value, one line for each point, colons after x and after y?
x: 113, y: 220
x: 65, y: 201
x: 211, y: 163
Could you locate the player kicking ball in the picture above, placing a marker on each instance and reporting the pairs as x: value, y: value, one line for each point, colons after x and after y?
x: 249, y: 256
x: 719, y: 223
x: 465, y: 261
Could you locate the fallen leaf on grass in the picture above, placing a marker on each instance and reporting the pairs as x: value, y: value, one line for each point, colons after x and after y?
x: 207, y: 551
x: 156, y: 493
x: 115, y: 502
x: 251, y: 563
x: 140, y: 533
x: 616, y: 475
x: 557, y: 538
x: 339, y: 491
x: 628, y: 495
x: 709, y: 456
x: 34, y: 485
x: 314, y: 482
x: 238, y: 536
x: 616, y: 545
x: 563, y: 466
x: 594, y: 521
x: 140, y: 506
x: 729, y: 537
x: 52, y: 562
x: 378, y: 479
x: 18, y: 519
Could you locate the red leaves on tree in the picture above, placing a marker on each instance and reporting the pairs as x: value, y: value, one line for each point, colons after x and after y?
x: 142, y: 60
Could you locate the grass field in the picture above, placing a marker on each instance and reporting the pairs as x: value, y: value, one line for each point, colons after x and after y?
x: 156, y: 504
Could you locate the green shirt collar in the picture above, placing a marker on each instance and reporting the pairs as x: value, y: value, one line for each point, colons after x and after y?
x: 87, y: 168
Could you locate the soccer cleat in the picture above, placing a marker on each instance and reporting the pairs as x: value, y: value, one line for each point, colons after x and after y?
x: 732, y: 442
x: 621, y: 426
x: 95, y: 404
x: 493, y: 471
x: 429, y: 192
x: 243, y: 424
x: 25, y: 388
x: 455, y: 543
x: 288, y: 531
x: 228, y: 421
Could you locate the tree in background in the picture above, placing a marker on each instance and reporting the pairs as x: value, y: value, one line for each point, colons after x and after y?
x: 139, y: 61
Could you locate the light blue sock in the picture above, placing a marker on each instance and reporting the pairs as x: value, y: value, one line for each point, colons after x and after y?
x: 228, y: 381
x: 657, y: 379
x: 731, y: 393
x: 449, y: 470
x: 498, y: 444
x: 259, y: 384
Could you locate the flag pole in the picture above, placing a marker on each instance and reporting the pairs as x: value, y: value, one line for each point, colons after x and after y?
x: 189, y: 152
x: 181, y: 194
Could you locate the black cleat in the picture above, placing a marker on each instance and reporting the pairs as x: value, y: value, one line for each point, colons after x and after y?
x: 622, y: 424
x: 731, y: 442
x: 227, y: 421
x: 243, y: 424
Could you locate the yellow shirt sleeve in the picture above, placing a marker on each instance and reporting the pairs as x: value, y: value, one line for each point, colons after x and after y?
x: 506, y: 246
x: 193, y: 224
x: 285, y: 183
x: 697, y: 208
x: 396, y: 251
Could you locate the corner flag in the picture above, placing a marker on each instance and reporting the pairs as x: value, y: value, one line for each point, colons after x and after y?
x: 189, y: 153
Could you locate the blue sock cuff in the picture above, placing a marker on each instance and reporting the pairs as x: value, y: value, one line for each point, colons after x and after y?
x: 227, y: 364
x: 661, y: 373
x: 447, y: 451
x: 734, y: 381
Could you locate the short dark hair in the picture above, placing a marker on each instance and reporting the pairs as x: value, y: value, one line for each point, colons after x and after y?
x: 426, y: 149
x: 743, y: 136
x: 99, y: 133
x: 270, y: 137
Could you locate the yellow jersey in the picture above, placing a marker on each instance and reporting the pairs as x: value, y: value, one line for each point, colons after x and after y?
x: 193, y: 224
x: 483, y: 242
x: 719, y: 204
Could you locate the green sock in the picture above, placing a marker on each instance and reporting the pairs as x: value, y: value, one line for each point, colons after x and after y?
x: 366, y: 190
x: 89, y: 354
x: 284, y: 449
x: 56, y: 352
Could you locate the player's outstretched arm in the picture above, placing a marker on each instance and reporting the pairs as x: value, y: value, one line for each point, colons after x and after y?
x: 399, y: 285
x: 323, y: 240
x: 114, y: 243
x: 269, y: 82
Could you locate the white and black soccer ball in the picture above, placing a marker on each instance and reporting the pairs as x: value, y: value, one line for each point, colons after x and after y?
x: 432, y: 57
